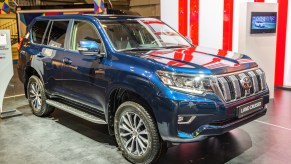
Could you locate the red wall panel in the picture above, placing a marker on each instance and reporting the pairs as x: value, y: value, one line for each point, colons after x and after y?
x: 227, y: 25
x: 281, y: 42
x: 194, y: 21
x: 183, y: 17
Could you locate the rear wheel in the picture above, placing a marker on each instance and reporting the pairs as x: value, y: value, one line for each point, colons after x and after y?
x: 136, y: 134
x: 37, y: 98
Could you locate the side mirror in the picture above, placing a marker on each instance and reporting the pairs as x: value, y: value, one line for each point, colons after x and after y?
x: 89, y: 48
x: 189, y: 39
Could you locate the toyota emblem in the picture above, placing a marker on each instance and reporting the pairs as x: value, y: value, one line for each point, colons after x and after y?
x: 246, y: 83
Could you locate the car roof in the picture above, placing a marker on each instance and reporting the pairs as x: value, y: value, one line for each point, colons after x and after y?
x: 98, y: 16
x: 115, y: 17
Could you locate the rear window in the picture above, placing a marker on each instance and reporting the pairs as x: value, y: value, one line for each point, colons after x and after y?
x: 38, y: 30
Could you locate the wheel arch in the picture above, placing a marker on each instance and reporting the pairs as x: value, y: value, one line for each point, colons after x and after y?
x: 30, y: 71
x: 120, y: 94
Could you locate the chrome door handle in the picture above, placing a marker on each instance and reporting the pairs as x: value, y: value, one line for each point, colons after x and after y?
x: 67, y: 61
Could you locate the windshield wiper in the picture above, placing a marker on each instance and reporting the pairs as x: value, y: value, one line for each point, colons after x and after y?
x: 141, y: 49
x: 151, y: 48
x: 167, y: 47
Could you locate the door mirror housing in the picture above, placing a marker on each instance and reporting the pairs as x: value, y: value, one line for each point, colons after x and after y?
x: 89, y: 48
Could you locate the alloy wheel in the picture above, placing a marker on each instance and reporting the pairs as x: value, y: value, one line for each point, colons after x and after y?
x: 35, y: 96
x: 134, y: 134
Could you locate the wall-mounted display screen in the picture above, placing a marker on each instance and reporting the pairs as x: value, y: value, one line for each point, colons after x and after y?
x: 263, y: 22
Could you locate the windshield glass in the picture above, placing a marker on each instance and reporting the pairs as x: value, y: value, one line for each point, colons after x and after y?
x: 142, y: 34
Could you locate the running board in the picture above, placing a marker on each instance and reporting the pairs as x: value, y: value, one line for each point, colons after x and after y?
x: 76, y: 112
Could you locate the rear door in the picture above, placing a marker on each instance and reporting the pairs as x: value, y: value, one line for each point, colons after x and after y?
x: 52, y: 55
x: 37, y: 34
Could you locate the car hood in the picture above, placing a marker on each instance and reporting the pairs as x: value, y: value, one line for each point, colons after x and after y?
x: 199, y: 60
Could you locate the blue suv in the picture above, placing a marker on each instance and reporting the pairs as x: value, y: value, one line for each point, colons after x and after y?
x: 148, y: 83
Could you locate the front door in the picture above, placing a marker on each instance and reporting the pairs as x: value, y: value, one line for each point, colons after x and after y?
x: 84, y: 76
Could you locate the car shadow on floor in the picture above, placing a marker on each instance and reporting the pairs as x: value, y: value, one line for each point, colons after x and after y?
x: 217, y: 149
x: 93, y: 131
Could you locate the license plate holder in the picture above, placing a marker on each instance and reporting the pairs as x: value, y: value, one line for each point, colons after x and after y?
x: 249, y: 108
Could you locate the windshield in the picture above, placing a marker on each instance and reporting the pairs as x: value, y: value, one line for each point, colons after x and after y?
x: 142, y: 34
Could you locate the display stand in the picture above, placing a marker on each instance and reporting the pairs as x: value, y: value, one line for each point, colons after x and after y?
x: 6, y: 70
x: 8, y: 101
x: 10, y: 113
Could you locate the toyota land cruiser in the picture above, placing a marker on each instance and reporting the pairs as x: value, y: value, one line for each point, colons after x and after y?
x: 148, y: 83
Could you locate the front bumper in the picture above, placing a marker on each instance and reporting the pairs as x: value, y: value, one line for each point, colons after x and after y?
x: 212, y: 118
x: 211, y: 130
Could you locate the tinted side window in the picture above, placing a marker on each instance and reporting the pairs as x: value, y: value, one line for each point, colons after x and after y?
x: 38, y: 30
x: 84, y: 31
x: 57, y: 33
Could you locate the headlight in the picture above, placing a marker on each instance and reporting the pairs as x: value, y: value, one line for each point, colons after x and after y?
x: 196, y: 84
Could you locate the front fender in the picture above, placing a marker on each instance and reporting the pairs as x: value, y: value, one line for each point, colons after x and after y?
x: 163, y: 109
x: 138, y: 85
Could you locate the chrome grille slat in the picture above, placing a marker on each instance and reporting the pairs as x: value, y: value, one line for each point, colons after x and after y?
x: 229, y: 87
x: 225, y: 87
x: 242, y: 91
x: 235, y: 83
x: 259, y: 80
x: 262, y: 78
x: 254, y: 80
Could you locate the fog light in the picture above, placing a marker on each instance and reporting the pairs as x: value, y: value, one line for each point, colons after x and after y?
x: 185, y: 119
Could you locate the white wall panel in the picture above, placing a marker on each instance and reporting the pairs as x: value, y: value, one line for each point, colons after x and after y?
x: 211, y: 23
x: 287, y: 70
x: 170, y: 13
x: 271, y: 1
x: 236, y: 12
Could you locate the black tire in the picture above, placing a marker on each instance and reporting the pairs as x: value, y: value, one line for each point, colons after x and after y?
x: 156, y: 147
x: 35, y: 92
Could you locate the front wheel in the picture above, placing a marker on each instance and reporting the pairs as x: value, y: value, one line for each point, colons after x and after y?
x: 37, y: 97
x: 136, y: 134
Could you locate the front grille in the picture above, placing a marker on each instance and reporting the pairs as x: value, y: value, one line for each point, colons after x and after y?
x: 230, y: 87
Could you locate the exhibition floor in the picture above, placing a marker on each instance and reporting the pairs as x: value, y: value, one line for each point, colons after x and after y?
x: 64, y: 138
